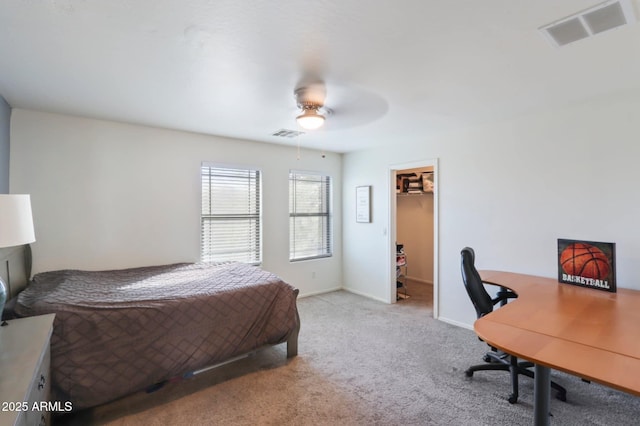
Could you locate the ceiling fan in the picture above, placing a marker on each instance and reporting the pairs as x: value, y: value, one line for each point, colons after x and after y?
x: 310, y: 98
x: 350, y: 106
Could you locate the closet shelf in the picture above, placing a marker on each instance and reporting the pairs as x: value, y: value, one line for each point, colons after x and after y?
x: 413, y: 194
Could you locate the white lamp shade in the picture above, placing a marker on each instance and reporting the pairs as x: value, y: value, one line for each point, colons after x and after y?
x: 16, y: 221
x: 310, y: 119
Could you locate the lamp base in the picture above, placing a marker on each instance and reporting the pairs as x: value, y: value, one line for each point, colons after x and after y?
x: 3, y: 299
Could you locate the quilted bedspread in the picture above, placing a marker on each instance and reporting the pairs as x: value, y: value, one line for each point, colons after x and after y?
x: 116, y: 332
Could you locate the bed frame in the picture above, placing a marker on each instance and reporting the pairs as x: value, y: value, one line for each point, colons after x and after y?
x: 15, y: 270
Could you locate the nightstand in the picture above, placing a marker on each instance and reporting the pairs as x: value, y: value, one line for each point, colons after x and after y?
x: 24, y: 371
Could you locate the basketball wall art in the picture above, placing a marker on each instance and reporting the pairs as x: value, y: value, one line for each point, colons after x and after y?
x: 587, y: 263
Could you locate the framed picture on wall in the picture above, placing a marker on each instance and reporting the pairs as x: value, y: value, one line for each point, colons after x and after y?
x: 587, y: 264
x: 363, y: 204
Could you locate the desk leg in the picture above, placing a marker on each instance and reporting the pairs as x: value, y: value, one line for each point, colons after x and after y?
x: 542, y: 395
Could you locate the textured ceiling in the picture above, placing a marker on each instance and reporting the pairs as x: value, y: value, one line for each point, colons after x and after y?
x: 394, y: 71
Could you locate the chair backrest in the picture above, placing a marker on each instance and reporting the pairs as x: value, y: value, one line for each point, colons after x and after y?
x: 473, y: 283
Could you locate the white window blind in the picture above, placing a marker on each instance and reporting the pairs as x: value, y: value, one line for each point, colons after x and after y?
x: 230, y: 220
x: 309, y: 216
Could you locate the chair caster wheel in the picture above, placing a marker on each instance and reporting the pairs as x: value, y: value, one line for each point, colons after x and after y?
x: 513, y: 399
x: 468, y: 373
x: 487, y: 358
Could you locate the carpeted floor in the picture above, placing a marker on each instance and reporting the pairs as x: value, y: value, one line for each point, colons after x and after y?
x: 362, y: 362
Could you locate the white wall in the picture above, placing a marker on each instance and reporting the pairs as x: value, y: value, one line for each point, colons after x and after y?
x: 5, y: 117
x: 112, y: 195
x: 509, y: 190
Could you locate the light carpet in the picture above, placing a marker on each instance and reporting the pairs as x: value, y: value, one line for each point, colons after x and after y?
x: 363, y: 362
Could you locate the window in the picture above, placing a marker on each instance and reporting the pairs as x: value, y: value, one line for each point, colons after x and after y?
x: 309, y: 216
x: 230, y: 219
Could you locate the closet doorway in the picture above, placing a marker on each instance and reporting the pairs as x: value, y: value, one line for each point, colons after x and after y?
x: 413, y: 233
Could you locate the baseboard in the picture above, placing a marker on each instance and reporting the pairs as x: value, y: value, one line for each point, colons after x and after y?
x: 456, y: 323
x: 315, y: 293
x: 368, y: 296
x: 419, y: 280
x: 331, y: 290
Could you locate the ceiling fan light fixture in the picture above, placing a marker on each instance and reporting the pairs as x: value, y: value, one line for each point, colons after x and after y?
x: 310, y: 119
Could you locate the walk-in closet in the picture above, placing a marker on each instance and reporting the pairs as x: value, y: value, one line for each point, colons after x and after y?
x: 415, y: 233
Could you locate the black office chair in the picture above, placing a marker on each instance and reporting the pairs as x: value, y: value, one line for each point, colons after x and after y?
x: 483, y: 303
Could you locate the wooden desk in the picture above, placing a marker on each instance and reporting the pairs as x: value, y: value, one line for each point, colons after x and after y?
x: 586, y: 332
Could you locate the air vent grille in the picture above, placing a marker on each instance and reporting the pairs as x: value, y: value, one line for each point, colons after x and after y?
x: 286, y: 133
x: 568, y: 31
x: 604, y: 19
x: 605, y: 16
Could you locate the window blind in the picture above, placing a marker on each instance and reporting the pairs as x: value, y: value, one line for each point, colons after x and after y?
x: 230, y: 219
x: 309, y: 216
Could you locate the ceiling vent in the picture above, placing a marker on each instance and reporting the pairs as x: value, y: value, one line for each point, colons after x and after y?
x: 602, y: 17
x: 286, y: 133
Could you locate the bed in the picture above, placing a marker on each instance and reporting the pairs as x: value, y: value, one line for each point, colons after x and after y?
x: 120, y: 331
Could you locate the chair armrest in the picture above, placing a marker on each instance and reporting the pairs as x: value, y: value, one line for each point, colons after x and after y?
x: 503, y: 295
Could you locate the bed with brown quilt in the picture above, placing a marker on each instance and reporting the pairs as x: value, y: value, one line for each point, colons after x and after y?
x: 120, y: 331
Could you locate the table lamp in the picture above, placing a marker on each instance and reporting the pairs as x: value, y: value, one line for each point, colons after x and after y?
x: 16, y: 228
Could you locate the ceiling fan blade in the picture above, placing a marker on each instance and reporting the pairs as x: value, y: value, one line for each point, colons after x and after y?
x: 352, y: 107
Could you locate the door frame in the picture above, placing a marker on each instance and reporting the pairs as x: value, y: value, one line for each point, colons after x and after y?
x: 391, y: 247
